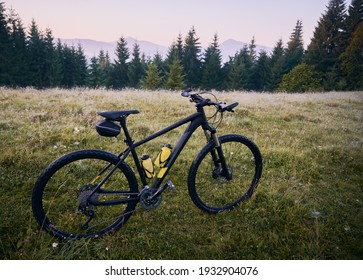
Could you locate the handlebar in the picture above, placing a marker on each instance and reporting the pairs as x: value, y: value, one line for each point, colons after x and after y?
x: 201, y: 101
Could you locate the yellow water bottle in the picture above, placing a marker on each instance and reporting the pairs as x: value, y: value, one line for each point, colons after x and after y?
x: 163, y: 156
x: 148, y: 166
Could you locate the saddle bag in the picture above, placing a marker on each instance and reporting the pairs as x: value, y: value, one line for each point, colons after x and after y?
x: 108, y: 128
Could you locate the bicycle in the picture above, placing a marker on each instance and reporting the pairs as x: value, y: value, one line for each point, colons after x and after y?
x: 89, y: 193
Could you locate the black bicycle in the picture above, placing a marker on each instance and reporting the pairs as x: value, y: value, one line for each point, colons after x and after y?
x: 89, y: 193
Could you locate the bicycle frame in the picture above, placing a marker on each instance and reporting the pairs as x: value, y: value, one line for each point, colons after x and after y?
x: 196, y: 120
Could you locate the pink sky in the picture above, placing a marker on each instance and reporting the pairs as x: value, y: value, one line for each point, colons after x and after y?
x: 161, y: 21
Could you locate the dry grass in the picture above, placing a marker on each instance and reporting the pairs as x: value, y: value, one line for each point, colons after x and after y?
x: 308, y: 205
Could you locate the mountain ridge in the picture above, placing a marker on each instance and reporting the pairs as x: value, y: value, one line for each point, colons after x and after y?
x: 92, y: 47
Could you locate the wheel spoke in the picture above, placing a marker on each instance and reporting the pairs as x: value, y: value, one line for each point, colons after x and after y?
x: 64, y: 199
x: 209, y: 188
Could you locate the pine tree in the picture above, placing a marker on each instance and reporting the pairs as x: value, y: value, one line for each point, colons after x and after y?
x: 212, y: 67
x: 81, y: 68
x: 135, y: 68
x: 295, y: 48
x: 161, y: 66
x: 175, y: 77
x: 153, y: 77
x: 249, y: 59
x: 352, y: 60
x: 74, y: 67
x: 355, y: 16
x: 68, y: 67
x: 60, y: 59
x: 119, y: 78
x: 52, y: 66
x: 277, y: 63
x: 175, y: 51
x: 262, y: 72
x: 94, y: 76
x: 17, y: 67
x: 191, y: 59
x: 252, y: 50
x: 105, y: 68
x: 238, y: 77
x: 5, y: 47
x: 328, y: 43
x: 36, y: 56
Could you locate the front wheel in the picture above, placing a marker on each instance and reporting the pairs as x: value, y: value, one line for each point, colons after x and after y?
x: 65, y: 202
x: 210, y: 189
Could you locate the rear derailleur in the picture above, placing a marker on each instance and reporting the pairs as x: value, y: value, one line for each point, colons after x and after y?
x: 86, y: 200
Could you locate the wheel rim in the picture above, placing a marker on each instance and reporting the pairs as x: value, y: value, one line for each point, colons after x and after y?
x: 213, y: 190
x: 63, y: 192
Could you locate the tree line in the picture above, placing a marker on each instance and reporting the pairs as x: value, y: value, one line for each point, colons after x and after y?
x: 332, y: 61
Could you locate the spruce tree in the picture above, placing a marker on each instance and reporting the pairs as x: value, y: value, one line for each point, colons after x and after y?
x: 241, y: 72
x: 355, y: 16
x: 175, y: 77
x: 5, y: 47
x: 161, y: 66
x: 152, y: 78
x: 68, y: 67
x: 191, y: 59
x: 277, y: 63
x: 52, y: 66
x: 295, y: 48
x: 175, y: 51
x: 135, y: 68
x: 119, y: 78
x: 238, y: 76
x: 212, y: 68
x: 250, y: 58
x: 60, y: 59
x: 94, y: 76
x: 81, y: 67
x: 17, y: 67
x: 36, y: 56
x: 328, y: 43
x: 104, y: 67
x: 352, y: 60
x: 262, y: 72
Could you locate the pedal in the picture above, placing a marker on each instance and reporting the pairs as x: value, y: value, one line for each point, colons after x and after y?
x: 171, y: 186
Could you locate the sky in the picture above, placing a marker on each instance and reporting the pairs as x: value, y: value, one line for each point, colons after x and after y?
x: 160, y: 21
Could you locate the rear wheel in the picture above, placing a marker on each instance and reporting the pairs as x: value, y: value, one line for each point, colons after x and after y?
x: 62, y: 199
x: 210, y: 189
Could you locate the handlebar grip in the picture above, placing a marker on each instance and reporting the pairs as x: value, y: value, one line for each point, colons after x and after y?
x: 235, y: 104
x: 230, y: 107
x: 186, y: 92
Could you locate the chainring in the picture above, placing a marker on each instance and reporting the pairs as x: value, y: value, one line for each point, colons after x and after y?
x: 146, y: 200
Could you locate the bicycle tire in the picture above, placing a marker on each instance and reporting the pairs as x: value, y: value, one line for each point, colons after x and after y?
x: 62, y: 186
x: 213, y: 193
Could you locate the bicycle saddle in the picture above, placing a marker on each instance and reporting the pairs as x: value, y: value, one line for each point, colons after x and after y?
x: 116, y: 115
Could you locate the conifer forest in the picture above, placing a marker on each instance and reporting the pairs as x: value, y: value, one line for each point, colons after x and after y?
x: 333, y: 59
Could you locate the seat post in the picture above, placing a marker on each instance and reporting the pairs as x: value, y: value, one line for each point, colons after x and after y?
x: 128, y: 139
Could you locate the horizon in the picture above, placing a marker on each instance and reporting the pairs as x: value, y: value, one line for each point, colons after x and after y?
x: 72, y: 19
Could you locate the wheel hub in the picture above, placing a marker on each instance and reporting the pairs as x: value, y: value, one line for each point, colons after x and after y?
x: 84, y: 197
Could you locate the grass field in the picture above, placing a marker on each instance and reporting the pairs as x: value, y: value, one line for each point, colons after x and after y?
x: 309, y: 204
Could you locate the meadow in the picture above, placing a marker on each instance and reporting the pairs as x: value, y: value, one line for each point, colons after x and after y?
x: 309, y: 203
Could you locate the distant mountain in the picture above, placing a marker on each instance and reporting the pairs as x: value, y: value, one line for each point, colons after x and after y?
x: 230, y: 47
x: 92, y: 47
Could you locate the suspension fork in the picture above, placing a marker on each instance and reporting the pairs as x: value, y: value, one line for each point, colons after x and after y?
x: 218, y: 158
